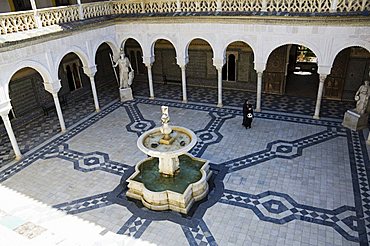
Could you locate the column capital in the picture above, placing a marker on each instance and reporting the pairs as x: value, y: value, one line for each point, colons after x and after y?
x: 324, y: 69
x: 322, y: 77
x: 148, y: 60
x: 5, y: 107
x: 182, y: 61
x: 52, y: 87
x: 90, y: 71
x: 259, y: 67
x: 219, y: 63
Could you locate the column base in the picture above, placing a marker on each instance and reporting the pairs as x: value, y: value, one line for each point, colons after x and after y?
x: 64, y: 130
x: 151, y: 98
x: 18, y: 157
x: 219, y: 105
x: 316, y: 117
x: 354, y: 120
x: 126, y: 94
x: 97, y: 110
x: 258, y: 110
x: 184, y: 101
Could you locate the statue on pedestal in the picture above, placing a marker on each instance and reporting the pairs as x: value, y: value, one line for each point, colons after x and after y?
x: 362, y: 98
x: 126, y: 72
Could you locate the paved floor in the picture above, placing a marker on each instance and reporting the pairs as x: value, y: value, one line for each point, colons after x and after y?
x: 289, y: 180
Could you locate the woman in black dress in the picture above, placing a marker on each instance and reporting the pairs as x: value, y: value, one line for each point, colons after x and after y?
x: 247, y: 114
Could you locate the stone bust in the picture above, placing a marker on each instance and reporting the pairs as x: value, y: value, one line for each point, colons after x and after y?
x: 362, y: 98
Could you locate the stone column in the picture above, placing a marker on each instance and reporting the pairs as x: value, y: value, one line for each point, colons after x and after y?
x: 148, y: 61
x: 368, y: 138
x: 319, y: 96
x: 53, y: 88
x: 90, y: 72
x: 183, y: 80
x: 259, y: 91
x: 4, y: 111
x: 219, y: 86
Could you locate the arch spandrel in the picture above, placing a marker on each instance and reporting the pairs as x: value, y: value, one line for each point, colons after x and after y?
x: 110, y: 42
x: 336, y: 50
x: 85, y: 59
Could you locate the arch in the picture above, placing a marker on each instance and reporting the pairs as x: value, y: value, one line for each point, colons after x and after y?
x: 337, y: 50
x: 152, y: 44
x: 42, y: 70
x: 77, y: 51
x: 201, y: 38
x: 123, y: 43
x: 312, y: 47
x: 224, y: 48
x: 110, y: 42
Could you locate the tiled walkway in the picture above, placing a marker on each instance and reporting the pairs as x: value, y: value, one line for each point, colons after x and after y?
x: 289, y: 180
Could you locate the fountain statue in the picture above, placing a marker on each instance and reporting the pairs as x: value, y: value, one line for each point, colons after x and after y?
x: 170, y: 178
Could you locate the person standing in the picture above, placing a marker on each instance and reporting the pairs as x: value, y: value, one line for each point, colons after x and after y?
x: 247, y: 114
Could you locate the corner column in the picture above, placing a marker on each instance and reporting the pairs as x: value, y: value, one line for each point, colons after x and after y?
x: 90, y: 72
x: 53, y: 88
x: 148, y: 61
x: 259, y: 91
x: 319, y: 96
x: 4, y: 111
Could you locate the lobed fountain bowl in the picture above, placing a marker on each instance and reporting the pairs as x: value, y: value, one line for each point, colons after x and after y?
x: 170, y: 178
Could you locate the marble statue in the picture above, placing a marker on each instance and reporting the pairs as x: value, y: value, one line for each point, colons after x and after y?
x: 126, y: 73
x: 165, y: 117
x: 362, y: 98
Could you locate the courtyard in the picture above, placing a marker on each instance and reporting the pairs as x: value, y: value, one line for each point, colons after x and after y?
x: 289, y: 180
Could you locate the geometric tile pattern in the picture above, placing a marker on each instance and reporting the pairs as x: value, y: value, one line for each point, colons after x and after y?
x: 199, y: 235
x: 134, y: 227
x: 280, y: 208
x: 210, y: 135
x: 84, y: 204
x: 138, y: 124
x: 360, y: 172
x: 87, y: 162
x: 233, y: 98
x: 282, y: 149
x: 37, y: 153
x: 35, y: 129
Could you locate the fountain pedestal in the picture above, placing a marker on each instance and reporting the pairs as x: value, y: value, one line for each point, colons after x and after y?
x: 169, y: 166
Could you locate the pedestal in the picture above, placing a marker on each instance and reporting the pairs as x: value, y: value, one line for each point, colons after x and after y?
x: 354, y: 120
x: 126, y: 94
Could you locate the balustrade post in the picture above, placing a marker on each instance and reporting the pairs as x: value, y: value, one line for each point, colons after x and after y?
x: 264, y: 5
x: 178, y: 6
x: 80, y: 10
x: 333, y: 5
x: 36, y: 14
x: 218, y: 6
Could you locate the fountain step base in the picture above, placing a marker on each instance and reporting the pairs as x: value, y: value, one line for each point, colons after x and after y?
x: 162, y: 198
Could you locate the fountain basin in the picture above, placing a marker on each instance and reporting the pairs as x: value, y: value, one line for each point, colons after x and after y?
x: 183, y: 140
x: 178, y: 193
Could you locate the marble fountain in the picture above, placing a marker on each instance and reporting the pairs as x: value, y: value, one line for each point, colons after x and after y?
x: 170, y: 178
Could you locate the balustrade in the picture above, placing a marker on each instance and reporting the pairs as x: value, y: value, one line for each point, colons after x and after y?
x: 25, y: 20
x: 58, y: 15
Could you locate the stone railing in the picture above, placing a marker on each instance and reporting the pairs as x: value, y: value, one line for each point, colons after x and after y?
x: 27, y: 20
x: 17, y: 22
